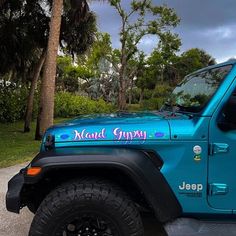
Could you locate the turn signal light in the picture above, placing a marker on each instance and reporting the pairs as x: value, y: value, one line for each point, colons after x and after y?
x: 33, y: 171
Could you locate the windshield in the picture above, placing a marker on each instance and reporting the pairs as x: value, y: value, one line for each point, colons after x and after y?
x: 197, y: 89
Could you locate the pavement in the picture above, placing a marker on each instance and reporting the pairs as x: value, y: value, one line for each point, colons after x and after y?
x: 12, y: 224
x: 18, y: 225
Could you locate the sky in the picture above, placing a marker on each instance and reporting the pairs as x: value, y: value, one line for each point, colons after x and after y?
x: 206, y: 24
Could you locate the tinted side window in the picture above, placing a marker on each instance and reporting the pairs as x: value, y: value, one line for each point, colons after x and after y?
x: 227, y: 118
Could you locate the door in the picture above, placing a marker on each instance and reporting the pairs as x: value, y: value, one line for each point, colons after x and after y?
x: 222, y: 157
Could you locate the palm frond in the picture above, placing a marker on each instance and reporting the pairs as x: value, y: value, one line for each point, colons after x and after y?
x: 78, y: 38
x: 79, y: 11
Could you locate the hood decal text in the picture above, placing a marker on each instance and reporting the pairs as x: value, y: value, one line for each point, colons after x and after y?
x: 129, y: 136
x: 116, y: 134
x: 85, y: 135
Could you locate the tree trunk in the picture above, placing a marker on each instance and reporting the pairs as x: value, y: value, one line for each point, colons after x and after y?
x: 13, y: 76
x: 141, y: 96
x: 122, y: 93
x: 46, y: 107
x: 122, y: 71
x: 122, y: 82
x: 131, y: 90
x: 154, y: 91
x: 130, y: 97
x: 30, y: 102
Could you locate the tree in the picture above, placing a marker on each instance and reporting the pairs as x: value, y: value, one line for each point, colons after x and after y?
x: 135, y: 69
x: 63, y: 62
x: 136, y: 24
x: 163, y: 57
x: 46, y: 107
x: 79, y: 13
x: 103, y: 61
x: 30, y: 101
x: 154, y: 76
x: 93, y: 73
x: 19, y: 38
x: 22, y: 51
x: 2, y: 2
x: 166, y: 51
x: 71, y: 77
x: 192, y: 60
x: 39, y: 35
x: 164, y: 66
x: 74, y: 38
x: 145, y: 80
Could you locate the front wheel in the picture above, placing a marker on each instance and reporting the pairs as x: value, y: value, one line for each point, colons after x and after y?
x: 87, y: 207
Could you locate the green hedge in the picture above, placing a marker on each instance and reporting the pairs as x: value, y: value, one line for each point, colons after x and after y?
x: 69, y: 105
x: 153, y: 103
x: 13, y: 104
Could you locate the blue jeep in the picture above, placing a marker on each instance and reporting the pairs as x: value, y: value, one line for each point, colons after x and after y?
x: 95, y: 174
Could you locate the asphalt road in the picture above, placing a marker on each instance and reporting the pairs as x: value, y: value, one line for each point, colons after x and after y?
x: 18, y: 225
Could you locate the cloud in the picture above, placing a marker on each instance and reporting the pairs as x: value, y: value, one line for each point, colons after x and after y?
x: 148, y: 43
x: 206, y: 24
x: 220, y: 33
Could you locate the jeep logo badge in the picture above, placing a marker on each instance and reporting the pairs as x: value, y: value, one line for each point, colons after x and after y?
x: 191, y: 187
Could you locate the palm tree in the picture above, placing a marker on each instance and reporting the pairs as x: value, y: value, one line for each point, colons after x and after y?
x: 79, y: 10
x: 77, y: 31
x: 46, y: 107
x: 2, y: 2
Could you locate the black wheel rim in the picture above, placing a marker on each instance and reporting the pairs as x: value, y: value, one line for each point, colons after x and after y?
x: 89, y: 224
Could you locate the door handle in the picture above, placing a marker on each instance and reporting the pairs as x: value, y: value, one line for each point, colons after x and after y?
x: 219, y: 148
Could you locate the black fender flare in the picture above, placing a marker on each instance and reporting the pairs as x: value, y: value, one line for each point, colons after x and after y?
x: 134, y: 163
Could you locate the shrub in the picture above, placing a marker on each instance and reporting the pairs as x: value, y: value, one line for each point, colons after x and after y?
x: 155, y: 99
x: 134, y: 107
x: 162, y: 90
x: 69, y: 105
x: 153, y: 103
x: 12, y: 103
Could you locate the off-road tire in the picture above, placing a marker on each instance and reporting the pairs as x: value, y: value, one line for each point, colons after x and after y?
x: 91, y: 195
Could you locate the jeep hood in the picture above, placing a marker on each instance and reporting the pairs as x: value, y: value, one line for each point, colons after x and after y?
x: 119, y: 128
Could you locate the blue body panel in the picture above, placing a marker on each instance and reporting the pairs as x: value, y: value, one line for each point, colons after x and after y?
x: 177, y: 139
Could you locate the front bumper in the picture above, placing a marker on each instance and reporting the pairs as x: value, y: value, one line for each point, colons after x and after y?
x: 13, y: 197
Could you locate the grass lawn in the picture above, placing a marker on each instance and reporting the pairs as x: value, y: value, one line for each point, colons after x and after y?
x: 15, y: 146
